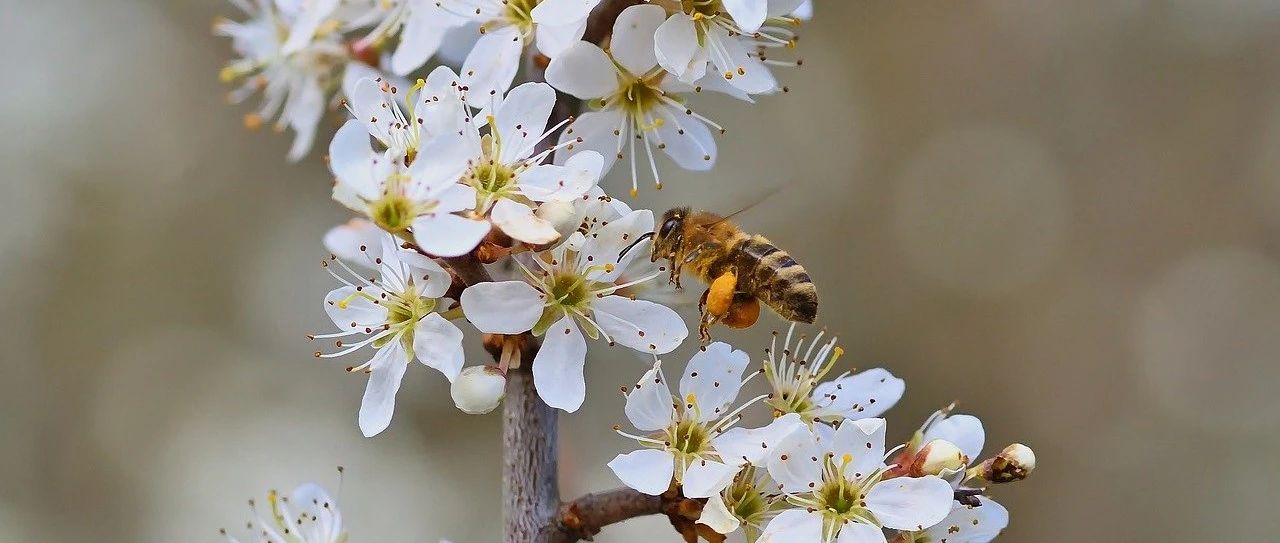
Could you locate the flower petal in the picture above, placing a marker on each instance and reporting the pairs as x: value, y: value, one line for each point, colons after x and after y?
x: 350, y: 309
x: 312, y: 15
x: 716, y: 515
x: 864, y: 440
x: 705, y: 478
x: 793, y: 526
x: 640, y: 324
x: 749, y: 14
x: 424, y: 31
x: 518, y: 221
x: 584, y: 71
x: 857, y: 532
x: 677, y: 49
x: 386, y: 370
x: 646, y: 470
x: 865, y: 394
x: 632, y: 41
x: 965, y: 431
x: 557, y: 369
x: 649, y: 406
x: 345, y: 241
x: 522, y: 117
x: 910, y: 503
x: 598, y: 131
x: 559, y: 12
x: 688, y: 141
x: 748, y: 72
x: 351, y: 160
x: 436, y: 343
x: 965, y: 524
x: 753, y: 445
x: 445, y: 234
x: 796, y: 463
x: 502, y: 307
x: 714, y: 376
x: 492, y: 65
x: 605, y: 243
x: 562, y: 183
x: 554, y: 39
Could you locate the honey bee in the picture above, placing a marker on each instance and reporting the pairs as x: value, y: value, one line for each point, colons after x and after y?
x: 740, y: 269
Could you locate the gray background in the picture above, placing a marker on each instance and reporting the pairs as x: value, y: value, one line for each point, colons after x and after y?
x: 1062, y: 214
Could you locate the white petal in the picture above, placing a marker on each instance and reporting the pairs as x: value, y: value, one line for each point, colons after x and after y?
x: 688, y: 141
x: 431, y: 280
x: 866, y: 394
x: 910, y: 503
x: 584, y: 71
x: 646, y: 470
x: 441, y: 164
x: 716, y: 515
x: 303, y: 112
x: 632, y: 41
x: 864, y: 440
x: 965, y: 431
x: 640, y: 324
x: 313, y: 13
x: 749, y: 73
x: 502, y: 307
x: 965, y: 524
x: 522, y: 117
x: 444, y: 234
x: 799, y: 472
x: 344, y: 306
x: 351, y: 160
x: 857, y: 532
x: 386, y: 370
x: 793, y: 526
x: 559, y: 12
x: 424, y: 31
x: 714, y: 376
x: 705, y: 478
x: 436, y: 343
x: 557, y: 369
x: 372, y: 107
x: 749, y: 14
x: 552, y: 40
x: 518, y: 221
x: 492, y: 65
x: 648, y: 405
x: 752, y: 445
x: 605, y: 243
x: 596, y: 129
x: 799, y: 8
x: 562, y: 183
x: 676, y: 45
x: 439, y: 103
x: 345, y: 241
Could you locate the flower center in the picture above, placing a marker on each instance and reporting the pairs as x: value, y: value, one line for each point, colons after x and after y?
x: 702, y: 8
x: 393, y: 212
x: 492, y: 179
x: 569, y: 290
x: 639, y: 96
x: 689, y: 437
x: 520, y: 13
x: 744, y: 499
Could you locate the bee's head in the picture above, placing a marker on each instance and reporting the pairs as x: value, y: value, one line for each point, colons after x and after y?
x: 670, y: 233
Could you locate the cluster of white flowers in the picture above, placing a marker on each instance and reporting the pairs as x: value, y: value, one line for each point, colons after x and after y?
x: 464, y: 174
x: 307, y: 515
x: 819, y: 472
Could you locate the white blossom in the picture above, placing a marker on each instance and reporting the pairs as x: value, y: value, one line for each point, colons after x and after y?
x: 796, y: 373
x: 967, y: 524
x: 434, y: 107
x: 397, y: 314
x: 731, y: 35
x: 307, y: 515
x: 505, y: 169
x: 508, y: 26
x: 680, y: 430
x: 570, y: 288
x: 839, y: 483
x: 422, y: 27
x: 633, y: 99
x: 292, y: 58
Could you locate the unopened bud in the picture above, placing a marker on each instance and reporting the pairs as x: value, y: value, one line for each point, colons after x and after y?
x: 1014, y: 463
x: 938, y: 457
x: 562, y: 216
x: 478, y: 389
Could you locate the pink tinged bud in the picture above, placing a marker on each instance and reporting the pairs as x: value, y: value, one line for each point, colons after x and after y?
x: 1014, y: 463
x: 938, y: 457
x: 478, y: 389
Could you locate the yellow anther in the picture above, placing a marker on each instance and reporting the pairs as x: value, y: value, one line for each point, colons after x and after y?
x: 252, y: 121
x: 634, y: 193
x: 846, y: 458
x: 228, y: 74
x: 691, y: 398
x: 837, y: 353
x: 609, y: 267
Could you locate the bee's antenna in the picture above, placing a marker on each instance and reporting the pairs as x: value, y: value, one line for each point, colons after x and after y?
x: 644, y: 236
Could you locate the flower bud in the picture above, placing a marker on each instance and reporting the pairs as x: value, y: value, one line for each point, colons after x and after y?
x: 478, y: 389
x: 1014, y: 463
x: 562, y: 216
x: 938, y: 457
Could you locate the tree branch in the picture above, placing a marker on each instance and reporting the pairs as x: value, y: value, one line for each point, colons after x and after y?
x: 583, y: 518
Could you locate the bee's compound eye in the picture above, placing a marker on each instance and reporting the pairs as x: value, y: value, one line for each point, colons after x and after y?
x: 669, y: 226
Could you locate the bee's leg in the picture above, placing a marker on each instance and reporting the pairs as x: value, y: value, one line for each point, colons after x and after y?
x: 705, y: 319
x: 716, y: 302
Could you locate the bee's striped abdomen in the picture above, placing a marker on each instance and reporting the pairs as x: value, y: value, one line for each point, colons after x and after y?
x: 776, y: 279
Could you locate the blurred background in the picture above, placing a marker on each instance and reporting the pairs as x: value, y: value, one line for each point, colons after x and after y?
x: 1064, y: 215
